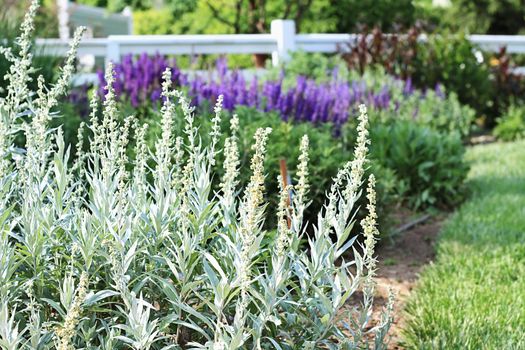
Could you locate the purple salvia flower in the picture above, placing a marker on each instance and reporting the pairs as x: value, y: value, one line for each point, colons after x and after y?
x: 138, y: 80
x: 439, y: 91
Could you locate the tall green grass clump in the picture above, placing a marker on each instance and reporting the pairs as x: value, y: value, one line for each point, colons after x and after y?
x: 108, y: 252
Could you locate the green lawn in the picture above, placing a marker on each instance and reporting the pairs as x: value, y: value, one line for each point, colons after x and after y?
x: 473, y: 296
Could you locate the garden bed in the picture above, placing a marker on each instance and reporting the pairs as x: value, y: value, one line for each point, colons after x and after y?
x: 164, y: 230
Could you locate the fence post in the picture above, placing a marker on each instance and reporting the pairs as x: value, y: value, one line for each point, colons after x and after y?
x: 63, y: 19
x: 283, y: 30
x: 112, y: 51
x: 128, y: 13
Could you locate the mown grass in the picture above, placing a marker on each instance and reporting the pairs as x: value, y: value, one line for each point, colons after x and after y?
x: 473, y: 296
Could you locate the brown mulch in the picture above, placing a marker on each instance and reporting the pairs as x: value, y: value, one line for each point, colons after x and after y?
x: 400, y: 260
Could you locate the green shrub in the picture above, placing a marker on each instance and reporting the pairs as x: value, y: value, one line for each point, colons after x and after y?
x: 429, y: 164
x: 153, y: 21
x: 449, y: 59
x: 511, y: 126
x: 348, y: 16
x: 505, y: 17
x: 443, y: 114
x: 447, y: 115
x: 316, y: 66
x: 485, y: 82
x: 436, y: 107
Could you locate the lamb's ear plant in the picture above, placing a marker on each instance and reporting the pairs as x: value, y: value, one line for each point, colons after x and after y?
x: 154, y: 252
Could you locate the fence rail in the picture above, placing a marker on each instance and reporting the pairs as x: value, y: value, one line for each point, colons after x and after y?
x: 282, y: 40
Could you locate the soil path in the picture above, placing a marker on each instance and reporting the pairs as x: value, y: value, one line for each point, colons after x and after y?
x: 399, y: 263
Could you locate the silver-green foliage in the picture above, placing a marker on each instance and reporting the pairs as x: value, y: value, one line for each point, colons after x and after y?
x: 96, y: 256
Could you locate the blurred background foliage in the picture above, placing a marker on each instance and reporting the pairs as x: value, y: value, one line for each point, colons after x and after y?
x: 254, y: 16
x: 12, y: 12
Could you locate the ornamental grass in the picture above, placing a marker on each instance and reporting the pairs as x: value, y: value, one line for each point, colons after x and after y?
x: 107, y: 252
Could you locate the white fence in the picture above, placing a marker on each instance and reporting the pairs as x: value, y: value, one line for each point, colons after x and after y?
x: 282, y: 40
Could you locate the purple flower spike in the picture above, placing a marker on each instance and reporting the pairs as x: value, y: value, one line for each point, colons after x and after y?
x: 139, y: 81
